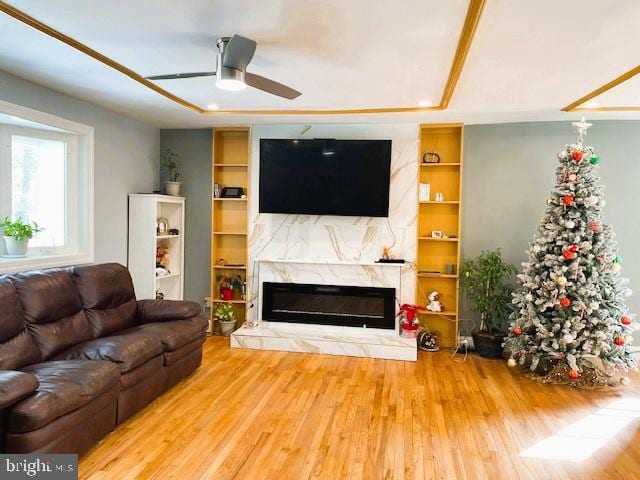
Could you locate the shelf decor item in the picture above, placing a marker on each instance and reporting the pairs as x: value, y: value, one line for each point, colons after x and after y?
x: 409, y: 322
x: 229, y: 284
x: 428, y: 341
x: 172, y: 165
x: 431, y: 157
x: 17, y: 234
x: 425, y: 192
x: 224, y: 314
x: 162, y: 226
x: 486, y: 283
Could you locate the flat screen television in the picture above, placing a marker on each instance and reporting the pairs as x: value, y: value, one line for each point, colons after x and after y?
x: 325, y: 177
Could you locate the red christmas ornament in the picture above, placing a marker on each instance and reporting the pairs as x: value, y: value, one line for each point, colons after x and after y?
x: 517, y: 331
x: 595, y: 227
x: 577, y: 155
x: 565, y: 302
x: 574, y: 375
x: 570, y: 252
x: 625, y: 320
x: 567, y: 200
x: 619, y: 341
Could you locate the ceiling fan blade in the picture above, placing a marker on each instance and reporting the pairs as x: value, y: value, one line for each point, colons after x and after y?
x: 176, y: 76
x: 238, y: 52
x: 270, y: 86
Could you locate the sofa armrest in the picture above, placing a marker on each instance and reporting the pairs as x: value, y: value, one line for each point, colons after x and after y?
x: 14, y: 386
x: 166, y: 310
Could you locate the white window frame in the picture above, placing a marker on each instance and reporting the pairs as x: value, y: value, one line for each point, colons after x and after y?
x: 79, y: 247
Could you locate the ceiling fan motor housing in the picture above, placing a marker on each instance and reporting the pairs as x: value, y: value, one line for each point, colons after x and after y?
x: 227, y: 75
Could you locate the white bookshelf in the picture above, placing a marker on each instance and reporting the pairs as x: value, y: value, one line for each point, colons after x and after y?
x: 144, y: 210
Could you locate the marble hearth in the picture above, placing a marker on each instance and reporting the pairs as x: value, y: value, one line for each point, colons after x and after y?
x: 333, y: 340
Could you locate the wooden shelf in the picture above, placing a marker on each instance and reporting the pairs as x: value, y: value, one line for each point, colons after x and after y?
x: 449, y: 164
x: 436, y: 275
x: 432, y: 239
x: 229, y: 216
x: 436, y: 253
x: 441, y: 314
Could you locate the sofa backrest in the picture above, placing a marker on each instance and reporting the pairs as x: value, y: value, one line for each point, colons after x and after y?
x: 53, y: 311
x: 17, y: 346
x: 107, y: 294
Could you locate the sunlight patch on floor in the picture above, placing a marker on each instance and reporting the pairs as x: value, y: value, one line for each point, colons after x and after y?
x: 580, y: 440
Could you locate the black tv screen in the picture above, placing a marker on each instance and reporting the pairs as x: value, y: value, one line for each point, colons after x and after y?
x: 325, y: 177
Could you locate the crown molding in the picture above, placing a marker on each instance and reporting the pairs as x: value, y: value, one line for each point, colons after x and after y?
x: 575, y: 106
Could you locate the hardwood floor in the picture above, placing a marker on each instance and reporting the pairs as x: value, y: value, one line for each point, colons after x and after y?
x: 276, y: 415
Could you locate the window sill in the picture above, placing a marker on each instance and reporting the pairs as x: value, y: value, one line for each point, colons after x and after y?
x: 13, y: 265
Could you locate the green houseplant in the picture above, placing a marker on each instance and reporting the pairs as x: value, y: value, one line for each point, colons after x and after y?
x: 485, y: 280
x: 225, y: 315
x: 171, y: 164
x: 17, y: 234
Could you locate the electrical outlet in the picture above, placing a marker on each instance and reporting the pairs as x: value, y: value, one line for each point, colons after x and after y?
x: 207, y: 302
x: 468, y: 341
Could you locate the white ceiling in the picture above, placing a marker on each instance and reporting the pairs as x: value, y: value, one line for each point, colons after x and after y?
x: 528, y: 59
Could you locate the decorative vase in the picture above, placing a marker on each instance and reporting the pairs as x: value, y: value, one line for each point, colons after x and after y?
x: 226, y: 293
x: 227, y: 327
x: 16, y: 248
x: 172, y: 188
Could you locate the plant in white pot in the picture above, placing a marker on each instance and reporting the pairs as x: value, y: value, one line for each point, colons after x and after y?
x: 17, y: 234
x: 226, y: 317
x: 171, y: 164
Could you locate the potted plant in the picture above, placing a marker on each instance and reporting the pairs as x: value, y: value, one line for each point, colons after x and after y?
x: 227, y: 285
x: 485, y: 282
x: 17, y: 234
x: 226, y: 317
x: 172, y: 165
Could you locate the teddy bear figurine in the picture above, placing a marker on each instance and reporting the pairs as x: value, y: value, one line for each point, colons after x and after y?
x: 434, y: 302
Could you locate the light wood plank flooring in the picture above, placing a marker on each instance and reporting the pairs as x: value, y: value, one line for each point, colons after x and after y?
x: 276, y: 415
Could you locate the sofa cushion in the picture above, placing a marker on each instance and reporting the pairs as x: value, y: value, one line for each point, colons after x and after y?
x: 17, y: 346
x: 176, y: 334
x: 14, y: 386
x: 150, y: 311
x: 126, y: 351
x: 52, y: 310
x: 64, y: 387
x: 107, y: 294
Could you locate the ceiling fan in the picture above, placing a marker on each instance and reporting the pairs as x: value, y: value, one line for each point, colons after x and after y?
x: 234, y: 54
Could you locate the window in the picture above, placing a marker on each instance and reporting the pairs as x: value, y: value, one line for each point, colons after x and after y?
x: 46, y: 178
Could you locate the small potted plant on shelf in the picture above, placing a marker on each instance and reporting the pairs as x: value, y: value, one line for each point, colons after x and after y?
x: 228, y: 284
x: 17, y: 234
x: 224, y: 314
x: 171, y: 164
x: 485, y: 280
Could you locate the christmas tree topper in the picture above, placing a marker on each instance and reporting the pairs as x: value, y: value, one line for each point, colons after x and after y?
x: 581, y: 128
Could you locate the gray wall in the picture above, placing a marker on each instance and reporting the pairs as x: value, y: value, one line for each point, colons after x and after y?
x: 509, y: 172
x: 126, y: 157
x: 194, y: 150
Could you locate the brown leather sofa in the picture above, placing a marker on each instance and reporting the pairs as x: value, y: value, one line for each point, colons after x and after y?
x: 79, y: 355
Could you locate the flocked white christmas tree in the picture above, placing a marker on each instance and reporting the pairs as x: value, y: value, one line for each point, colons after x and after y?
x: 571, y: 323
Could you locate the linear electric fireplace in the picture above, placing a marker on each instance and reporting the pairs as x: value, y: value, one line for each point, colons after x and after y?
x: 343, y: 306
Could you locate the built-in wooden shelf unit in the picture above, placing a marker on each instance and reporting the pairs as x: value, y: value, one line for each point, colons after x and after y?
x: 229, y: 217
x: 433, y: 253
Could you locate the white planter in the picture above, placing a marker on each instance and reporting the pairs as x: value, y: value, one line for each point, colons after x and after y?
x: 16, y: 248
x: 3, y: 248
x: 227, y: 327
x: 172, y: 188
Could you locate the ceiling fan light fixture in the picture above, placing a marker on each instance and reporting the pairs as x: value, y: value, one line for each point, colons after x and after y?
x: 230, y: 84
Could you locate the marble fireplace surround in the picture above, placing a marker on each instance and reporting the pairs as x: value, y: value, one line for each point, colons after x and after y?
x: 334, y: 250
